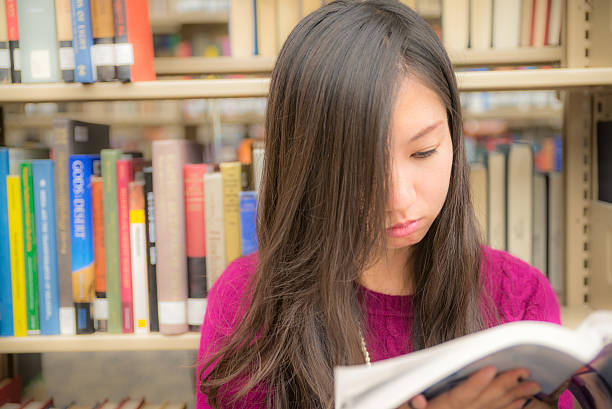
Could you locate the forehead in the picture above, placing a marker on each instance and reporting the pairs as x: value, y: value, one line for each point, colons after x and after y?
x: 416, y: 107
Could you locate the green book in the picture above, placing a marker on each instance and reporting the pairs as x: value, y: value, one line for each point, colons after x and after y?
x: 29, y: 244
x: 111, y: 238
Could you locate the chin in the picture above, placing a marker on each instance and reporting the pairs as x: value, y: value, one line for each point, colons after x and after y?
x: 401, y: 242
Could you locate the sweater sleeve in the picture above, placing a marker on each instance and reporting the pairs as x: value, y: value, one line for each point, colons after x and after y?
x: 224, y: 311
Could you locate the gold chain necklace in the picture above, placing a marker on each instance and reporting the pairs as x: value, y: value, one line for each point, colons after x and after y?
x: 366, y: 354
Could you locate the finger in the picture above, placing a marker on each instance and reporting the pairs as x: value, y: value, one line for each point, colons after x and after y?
x: 517, y: 404
x: 502, y: 390
x: 465, y: 394
x: 418, y: 402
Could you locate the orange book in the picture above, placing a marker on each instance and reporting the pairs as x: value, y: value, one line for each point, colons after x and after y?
x: 97, y: 208
x: 141, y: 39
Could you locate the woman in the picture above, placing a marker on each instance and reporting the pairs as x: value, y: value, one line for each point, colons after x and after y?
x: 368, y: 247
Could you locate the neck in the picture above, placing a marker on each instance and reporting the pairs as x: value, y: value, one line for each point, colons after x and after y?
x: 390, y: 274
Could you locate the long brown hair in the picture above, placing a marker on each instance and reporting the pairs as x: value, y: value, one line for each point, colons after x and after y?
x: 322, y: 206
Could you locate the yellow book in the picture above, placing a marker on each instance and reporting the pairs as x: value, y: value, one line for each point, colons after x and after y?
x: 230, y: 174
x: 13, y: 190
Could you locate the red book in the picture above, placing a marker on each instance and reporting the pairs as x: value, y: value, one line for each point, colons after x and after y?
x: 12, y: 27
x: 10, y: 390
x: 97, y: 210
x: 139, y: 35
x: 124, y: 176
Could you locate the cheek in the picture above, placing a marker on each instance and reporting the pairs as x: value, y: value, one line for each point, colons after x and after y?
x: 438, y: 181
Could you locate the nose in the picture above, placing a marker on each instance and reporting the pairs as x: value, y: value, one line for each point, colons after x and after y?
x: 403, y: 192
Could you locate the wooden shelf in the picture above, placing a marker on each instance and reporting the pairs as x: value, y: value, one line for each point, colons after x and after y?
x: 502, y: 80
x: 99, y: 342
x: 511, y: 56
x: 170, y: 23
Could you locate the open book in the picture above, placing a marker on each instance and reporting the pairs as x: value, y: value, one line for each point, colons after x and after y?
x: 557, y: 357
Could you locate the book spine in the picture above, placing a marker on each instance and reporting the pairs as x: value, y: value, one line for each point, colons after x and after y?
x: 81, y: 238
x: 124, y: 53
x: 62, y: 130
x: 248, y: 222
x: 139, y: 258
x: 141, y: 39
x: 168, y: 160
x: 64, y: 39
x: 12, y: 25
x: 103, y: 31
x: 6, y: 293
x: 82, y: 41
x: 5, y: 56
x: 195, y: 241
x: 215, y: 230
x: 97, y: 209
x: 20, y: 324
x: 124, y: 170
x: 38, y: 41
x: 111, y: 239
x: 151, y: 259
x: 231, y: 174
x: 48, y: 283
x: 29, y: 243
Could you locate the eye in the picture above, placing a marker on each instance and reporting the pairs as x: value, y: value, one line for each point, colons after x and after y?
x: 423, y: 155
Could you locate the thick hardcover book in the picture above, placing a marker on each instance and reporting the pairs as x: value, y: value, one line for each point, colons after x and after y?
x: 15, y: 229
x: 12, y: 24
x: 151, y: 256
x: 141, y: 39
x: 5, y: 56
x: 70, y: 137
x: 231, y: 174
x: 195, y: 237
x: 38, y: 41
x: 97, y: 210
x: 103, y: 31
x: 248, y: 222
x: 124, y: 177
x: 519, y: 199
x: 63, y: 22
x: 6, y: 293
x: 169, y: 157
x: 29, y: 242
x: 215, y: 227
x: 48, y: 282
x: 557, y: 358
x: 81, y: 240
x: 138, y: 246
x: 82, y: 41
x: 111, y: 239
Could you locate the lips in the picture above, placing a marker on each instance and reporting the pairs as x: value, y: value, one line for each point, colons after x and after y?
x: 403, y: 229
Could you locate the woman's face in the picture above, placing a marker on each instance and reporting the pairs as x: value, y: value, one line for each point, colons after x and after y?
x: 421, y: 161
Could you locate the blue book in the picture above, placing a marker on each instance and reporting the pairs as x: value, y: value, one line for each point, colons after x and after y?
x: 6, y: 292
x: 82, y: 41
x: 48, y: 279
x: 80, y: 170
x: 248, y: 221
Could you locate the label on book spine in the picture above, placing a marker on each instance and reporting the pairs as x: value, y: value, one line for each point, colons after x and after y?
x: 196, y: 307
x: 40, y: 64
x: 67, y: 317
x: 124, y: 53
x: 104, y: 54
x: 17, y: 59
x: 172, y: 312
x: 101, y: 309
x: 66, y: 58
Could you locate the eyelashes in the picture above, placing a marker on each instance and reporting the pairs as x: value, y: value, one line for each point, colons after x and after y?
x: 424, y: 155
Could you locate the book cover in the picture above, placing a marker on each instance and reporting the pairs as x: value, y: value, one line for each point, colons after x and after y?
x: 526, y: 16
x: 103, y: 31
x: 125, y: 174
x: 15, y: 229
x: 258, y: 161
x: 481, y: 24
x: 48, y: 282
x: 231, y: 174
x: 287, y: 16
x: 506, y: 23
x: 248, y: 222
x: 151, y: 255
x: 29, y: 243
x: 81, y: 240
x: 479, y: 193
x: 82, y: 41
x: 455, y: 24
x: 63, y: 23
x: 555, y: 21
x: 124, y: 53
x: 519, y: 199
x: 242, y: 28
x: 97, y: 211
x: 70, y: 137
x: 111, y: 239
x: 141, y: 39
x: 215, y: 229
x: 12, y: 24
x: 496, y: 181
x: 539, y: 34
x: 195, y: 241
x: 6, y: 293
x: 5, y: 56
x: 266, y: 28
x: 38, y: 41
x: 169, y: 156
x: 138, y: 247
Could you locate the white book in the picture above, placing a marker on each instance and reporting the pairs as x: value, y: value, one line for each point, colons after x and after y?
x: 242, y: 28
x: 138, y: 253
x: 478, y: 190
x: 496, y: 167
x: 552, y: 354
x: 258, y: 162
x: 506, y: 23
x: 519, y: 201
x: 455, y: 24
x: 555, y: 20
x: 481, y: 23
x: 214, y: 227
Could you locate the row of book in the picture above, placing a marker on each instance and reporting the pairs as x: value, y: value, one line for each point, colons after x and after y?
x: 485, y: 24
x: 517, y: 191
x: 161, y: 7
x: 75, y: 41
x: 11, y: 398
x: 100, y: 239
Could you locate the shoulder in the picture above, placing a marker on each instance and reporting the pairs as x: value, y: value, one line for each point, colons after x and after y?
x: 518, y: 290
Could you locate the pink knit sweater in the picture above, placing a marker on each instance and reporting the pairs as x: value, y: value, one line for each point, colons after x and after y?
x: 519, y: 291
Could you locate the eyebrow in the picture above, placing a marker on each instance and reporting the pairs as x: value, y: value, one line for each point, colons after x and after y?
x: 424, y: 131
